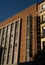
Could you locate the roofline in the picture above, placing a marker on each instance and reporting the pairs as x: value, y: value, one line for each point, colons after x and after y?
x: 18, y: 13
x: 41, y: 2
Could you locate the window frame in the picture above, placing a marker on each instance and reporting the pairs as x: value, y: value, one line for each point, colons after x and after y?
x: 43, y: 21
x: 28, y: 34
x: 43, y: 8
x: 43, y: 44
x: 42, y: 31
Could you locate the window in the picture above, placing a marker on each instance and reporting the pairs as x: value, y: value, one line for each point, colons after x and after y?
x: 16, y: 37
x: 29, y: 38
x: 43, y: 6
x: 28, y: 41
x: 8, y: 28
x: 43, y: 31
x: 9, y: 35
x: 12, y: 28
x: 0, y: 36
x: 28, y: 32
x: 17, y: 25
x: 38, y: 34
x: 3, y: 36
x: 16, y: 41
x: 43, y: 44
x: 38, y: 46
x: 43, y: 18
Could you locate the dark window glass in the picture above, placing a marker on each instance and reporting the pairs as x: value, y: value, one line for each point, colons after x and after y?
x: 38, y: 33
x: 38, y: 46
x: 38, y: 29
x: 38, y: 24
x: 38, y: 42
x: 30, y: 54
x: 29, y: 35
x: 43, y: 31
x: 43, y: 44
x: 38, y: 37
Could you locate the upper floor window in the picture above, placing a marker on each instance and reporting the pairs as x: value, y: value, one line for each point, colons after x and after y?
x: 43, y: 18
x: 43, y: 44
x: 43, y: 31
x: 29, y: 38
x: 43, y: 6
x: 17, y: 25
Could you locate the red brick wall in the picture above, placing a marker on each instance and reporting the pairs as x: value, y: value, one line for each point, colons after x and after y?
x: 23, y: 15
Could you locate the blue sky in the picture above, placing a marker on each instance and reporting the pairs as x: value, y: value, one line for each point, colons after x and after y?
x: 11, y: 7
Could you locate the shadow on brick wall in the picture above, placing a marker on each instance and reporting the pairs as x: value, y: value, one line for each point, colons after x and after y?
x: 38, y: 60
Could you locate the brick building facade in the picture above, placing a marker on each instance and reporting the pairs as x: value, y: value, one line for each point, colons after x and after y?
x: 19, y: 36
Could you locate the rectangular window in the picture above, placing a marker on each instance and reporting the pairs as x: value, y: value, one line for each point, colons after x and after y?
x: 28, y: 42
x: 1, y: 32
x: 10, y: 36
x: 43, y: 31
x: 17, y: 25
x: 3, y: 36
x: 16, y: 37
x: 11, y: 42
x: 38, y: 34
x: 29, y: 38
x: 43, y: 18
x: 7, y: 41
x: 16, y: 41
x: 43, y: 44
x: 0, y: 36
x: 28, y: 31
x: 43, y: 6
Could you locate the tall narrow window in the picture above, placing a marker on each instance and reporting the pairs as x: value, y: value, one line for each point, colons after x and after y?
x: 38, y: 34
x: 11, y: 43
x: 3, y: 42
x: 43, y: 19
x: 29, y: 38
x: 43, y: 44
x: 43, y: 6
x: 1, y: 32
x: 0, y: 36
x: 43, y: 31
x: 7, y: 44
x: 16, y: 41
x: 3, y: 36
x: 10, y: 38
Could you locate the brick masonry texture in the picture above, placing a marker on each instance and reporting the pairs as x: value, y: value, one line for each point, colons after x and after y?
x: 23, y: 15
